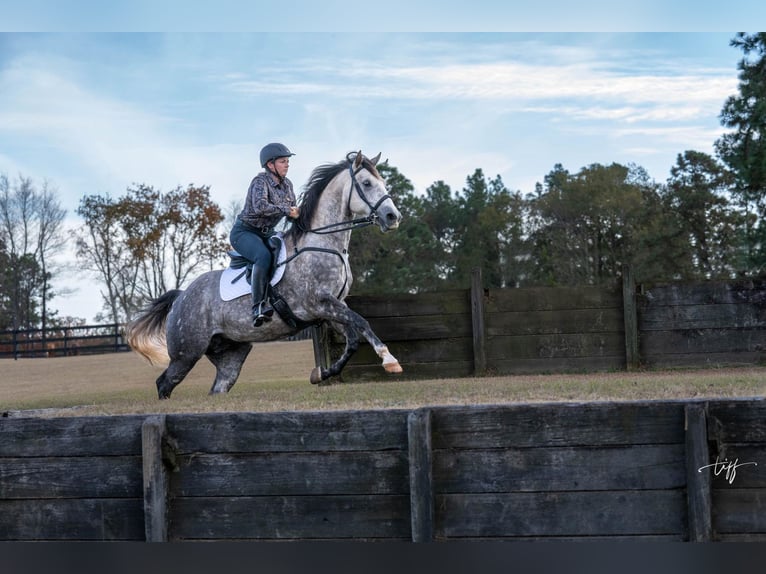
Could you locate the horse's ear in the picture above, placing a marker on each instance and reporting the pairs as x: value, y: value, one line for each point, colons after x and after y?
x: 358, y: 159
x: 375, y: 160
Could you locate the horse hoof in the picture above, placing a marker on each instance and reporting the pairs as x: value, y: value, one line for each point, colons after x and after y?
x: 393, y: 368
x: 316, y: 376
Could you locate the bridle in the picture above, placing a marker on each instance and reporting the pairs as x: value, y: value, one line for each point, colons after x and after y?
x: 343, y: 225
x: 354, y: 223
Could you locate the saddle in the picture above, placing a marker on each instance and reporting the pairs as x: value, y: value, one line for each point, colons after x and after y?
x: 235, y: 280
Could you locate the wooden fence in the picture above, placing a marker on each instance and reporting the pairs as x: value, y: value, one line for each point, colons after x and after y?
x: 481, y: 331
x: 62, y: 341
x: 80, y: 340
x: 579, y: 471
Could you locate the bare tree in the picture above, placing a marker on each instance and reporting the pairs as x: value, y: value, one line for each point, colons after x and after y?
x: 30, y: 233
x: 50, y: 240
x: 102, y: 249
x: 148, y: 242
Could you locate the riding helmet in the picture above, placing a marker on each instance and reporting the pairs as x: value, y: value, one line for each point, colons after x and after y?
x: 273, y: 151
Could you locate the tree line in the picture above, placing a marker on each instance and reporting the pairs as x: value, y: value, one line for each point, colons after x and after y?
x: 706, y: 221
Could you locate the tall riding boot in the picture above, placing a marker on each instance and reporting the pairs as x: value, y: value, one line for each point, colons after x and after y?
x: 262, y: 311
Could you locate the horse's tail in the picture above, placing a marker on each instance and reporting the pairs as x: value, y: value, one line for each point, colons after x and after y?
x: 146, y: 332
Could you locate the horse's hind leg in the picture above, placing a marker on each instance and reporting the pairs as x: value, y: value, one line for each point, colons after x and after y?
x: 228, y: 357
x: 173, y: 375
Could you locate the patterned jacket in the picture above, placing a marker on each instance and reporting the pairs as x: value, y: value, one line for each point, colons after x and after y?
x: 267, y: 201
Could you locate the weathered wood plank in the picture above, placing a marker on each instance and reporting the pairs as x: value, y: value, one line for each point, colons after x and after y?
x: 747, y: 537
x: 703, y: 360
x: 421, y: 476
x: 641, y: 467
x: 289, y: 517
x: 573, y: 321
x: 70, y: 477
x: 739, y: 510
x: 478, y: 325
x: 750, y: 291
x: 568, y: 424
x: 698, y: 480
x: 422, y: 327
x: 640, y: 512
x: 630, y: 322
x: 155, y: 479
x: 72, y: 519
x: 427, y: 351
x: 688, y: 341
x: 447, y: 302
x: 737, y: 421
x: 291, y: 474
x: 321, y: 342
x: 556, y: 346
x: 724, y: 316
x: 591, y: 539
x: 515, y: 366
x: 553, y: 298
x: 76, y: 436
x: 734, y: 466
x: 289, y: 431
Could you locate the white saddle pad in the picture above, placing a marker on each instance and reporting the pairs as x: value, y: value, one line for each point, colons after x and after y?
x: 233, y: 283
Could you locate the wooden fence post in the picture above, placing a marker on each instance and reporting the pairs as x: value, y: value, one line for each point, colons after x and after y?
x: 477, y: 323
x: 321, y: 343
x: 155, y: 479
x: 630, y: 316
x: 421, y: 475
x: 698, y: 480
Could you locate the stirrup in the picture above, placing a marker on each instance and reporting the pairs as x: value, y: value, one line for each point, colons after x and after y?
x: 262, y: 313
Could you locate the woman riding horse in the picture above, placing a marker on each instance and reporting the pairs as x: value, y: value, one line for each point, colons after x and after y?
x: 270, y: 197
x: 180, y: 327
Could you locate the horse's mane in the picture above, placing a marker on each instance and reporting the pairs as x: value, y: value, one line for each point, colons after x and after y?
x: 318, y: 181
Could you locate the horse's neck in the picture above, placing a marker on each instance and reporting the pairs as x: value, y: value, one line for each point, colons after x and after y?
x: 331, y: 211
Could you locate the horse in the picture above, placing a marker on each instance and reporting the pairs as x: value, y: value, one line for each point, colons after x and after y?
x: 176, y: 329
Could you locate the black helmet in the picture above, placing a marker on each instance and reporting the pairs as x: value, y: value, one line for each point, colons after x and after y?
x: 273, y: 151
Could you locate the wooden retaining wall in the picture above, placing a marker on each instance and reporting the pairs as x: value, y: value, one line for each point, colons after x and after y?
x: 481, y: 331
x: 703, y: 324
x: 634, y: 470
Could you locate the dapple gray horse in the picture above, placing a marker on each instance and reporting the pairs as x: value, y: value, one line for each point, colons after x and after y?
x: 179, y: 327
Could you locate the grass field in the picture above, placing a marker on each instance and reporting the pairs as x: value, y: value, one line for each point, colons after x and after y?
x: 275, y: 378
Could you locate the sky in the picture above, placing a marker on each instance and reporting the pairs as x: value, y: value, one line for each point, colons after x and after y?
x: 98, y: 97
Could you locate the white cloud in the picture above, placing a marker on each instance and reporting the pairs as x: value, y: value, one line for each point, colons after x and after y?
x: 506, y: 81
x: 438, y: 109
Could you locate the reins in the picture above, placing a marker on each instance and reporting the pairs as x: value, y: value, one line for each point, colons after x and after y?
x: 354, y: 223
x: 342, y: 225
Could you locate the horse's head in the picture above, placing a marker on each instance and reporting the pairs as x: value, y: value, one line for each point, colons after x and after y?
x: 369, y: 195
x: 356, y: 195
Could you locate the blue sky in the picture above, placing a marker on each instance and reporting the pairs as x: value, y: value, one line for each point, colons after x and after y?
x: 95, y: 111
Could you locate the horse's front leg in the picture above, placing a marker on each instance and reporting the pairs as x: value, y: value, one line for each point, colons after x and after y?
x: 353, y: 324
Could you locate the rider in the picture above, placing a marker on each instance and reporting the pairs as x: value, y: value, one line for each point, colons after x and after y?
x: 269, y: 198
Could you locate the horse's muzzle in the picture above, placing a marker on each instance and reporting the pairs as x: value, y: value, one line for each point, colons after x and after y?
x: 388, y: 218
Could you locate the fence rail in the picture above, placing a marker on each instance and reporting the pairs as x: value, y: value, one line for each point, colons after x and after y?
x: 62, y: 341
x: 650, y: 470
x: 80, y: 340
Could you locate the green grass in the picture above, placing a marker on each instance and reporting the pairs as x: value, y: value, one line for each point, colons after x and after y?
x: 275, y: 378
